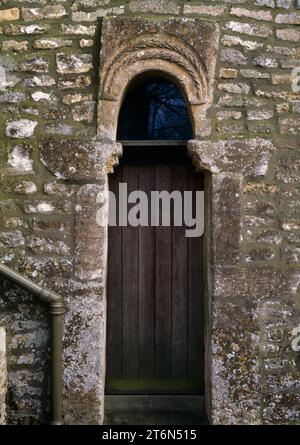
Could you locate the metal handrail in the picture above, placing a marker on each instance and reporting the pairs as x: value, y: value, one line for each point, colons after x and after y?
x: 56, y: 310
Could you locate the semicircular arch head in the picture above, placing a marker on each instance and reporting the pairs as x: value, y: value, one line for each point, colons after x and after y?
x: 132, y: 47
x: 154, y: 108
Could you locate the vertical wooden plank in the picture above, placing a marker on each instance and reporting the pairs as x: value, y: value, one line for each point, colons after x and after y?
x: 114, y: 293
x: 163, y: 327
x: 196, y: 296
x: 179, y: 285
x: 146, y: 282
x: 130, y: 271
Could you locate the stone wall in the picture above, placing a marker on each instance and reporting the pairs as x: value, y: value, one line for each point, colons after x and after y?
x: 3, y: 370
x: 50, y: 55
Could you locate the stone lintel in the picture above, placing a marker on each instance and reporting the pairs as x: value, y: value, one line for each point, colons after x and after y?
x: 76, y: 160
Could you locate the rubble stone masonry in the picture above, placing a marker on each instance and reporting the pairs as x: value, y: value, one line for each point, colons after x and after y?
x: 49, y: 71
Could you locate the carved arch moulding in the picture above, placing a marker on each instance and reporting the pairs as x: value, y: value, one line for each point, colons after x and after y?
x: 185, y: 50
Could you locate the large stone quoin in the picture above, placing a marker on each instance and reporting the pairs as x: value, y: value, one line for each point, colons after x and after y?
x: 66, y: 70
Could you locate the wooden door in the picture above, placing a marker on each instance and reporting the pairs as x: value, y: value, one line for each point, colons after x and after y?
x: 155, y: 287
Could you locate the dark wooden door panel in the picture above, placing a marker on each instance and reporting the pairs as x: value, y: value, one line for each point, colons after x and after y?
x: 130, y: 287
x: 155, y: 293
x: 179, y: 285
x: 163, y: 286
x: 146, y: 307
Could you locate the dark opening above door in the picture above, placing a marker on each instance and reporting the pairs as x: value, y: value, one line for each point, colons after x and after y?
x: 154, y: 109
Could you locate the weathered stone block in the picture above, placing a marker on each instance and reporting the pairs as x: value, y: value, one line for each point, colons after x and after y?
x: 47, y: 12
x: 259, y: 114
x: 288, y: 169
x: 78, y: 30
x: 13, y: 45
x: 59, y: 189
x: 37, y: 96
x: 226, y: 218
x: 12, y: 98
x: 286, y: 4
x: 84, y: 353
x: 233, y: 100
x: 9, y: 14
x: 14, y: 222
x: 228, y: 114
x: 236, y: 370
x: 254, y: 74
x: 237, y: 88
x: 233, y: 56
x: 296, y: 106
x: 289, y: 19
x: 47, y: 207
x: 157, y: 6
x: 11, y: 239
x: 88, y: 4
x: 214, y: 11
x: 279, y: 79
x: 50, y: 267
x: 37, y: 64
x: 8, y: 62
x: 51, y: 43
x: 288, y: 34
x: 23, y: 128
x: 291, y: 255
x: 92, y: 159
x: 257, y: 15
x: 249, y: 45
x: 268, y: 3
x: 89, y: 233
x: 255, y: 282
x: 86, y: 43
x: 289, y: 126
x: 260, y: 255
x: 39, y: 81
x: 249, y: 157
x: 70, y: 99
x: 61, y: 129
x: 17, y: 30
x: 38, y: 244
x: 228, y: 73
x: 261, y: 128
x: 249, y: 29
x: 81, y: 16
x: 78, y: 82
x: 266, y: 61
x: 73, y: 63
x: 20, y: 159
x: 55, y: 226
x: 231, y: 128
x: 84, y: 112
x: 25, y: 187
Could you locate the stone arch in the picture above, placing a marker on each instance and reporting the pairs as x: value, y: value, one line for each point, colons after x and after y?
x: 168, y: 47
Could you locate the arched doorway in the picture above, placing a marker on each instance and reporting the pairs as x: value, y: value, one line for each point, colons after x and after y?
x: 155, y: 297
